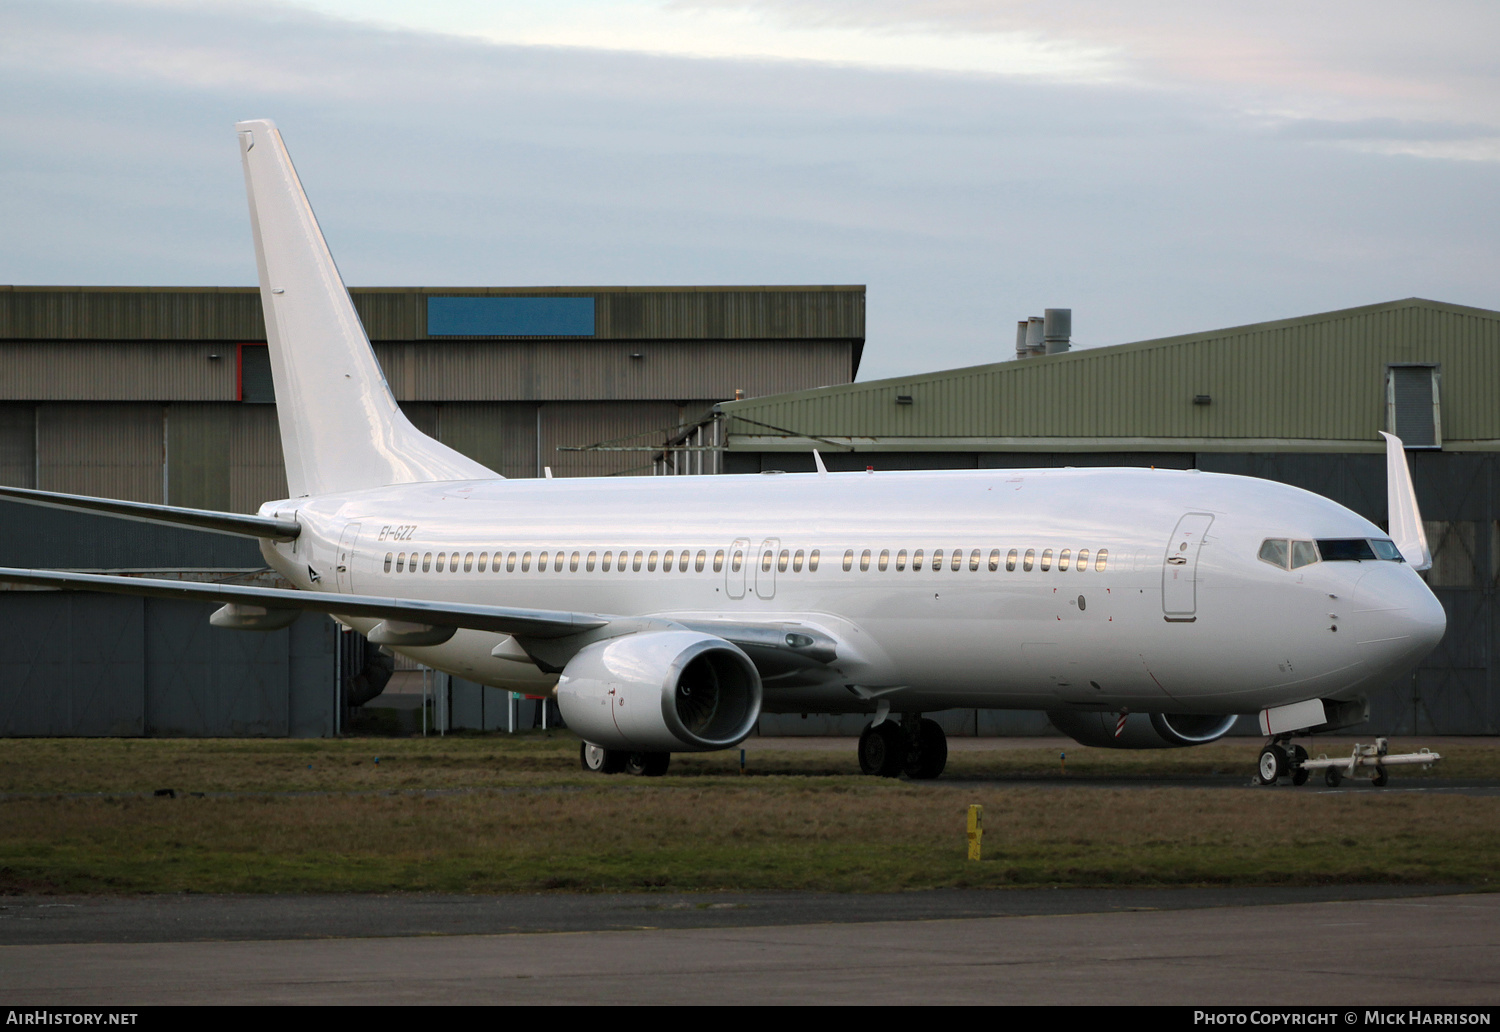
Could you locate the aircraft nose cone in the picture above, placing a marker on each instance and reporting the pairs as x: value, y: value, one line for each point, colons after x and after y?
x: 1395, y: 613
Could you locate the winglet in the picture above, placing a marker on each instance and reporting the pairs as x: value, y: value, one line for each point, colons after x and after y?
x: 818, y: 459
x: 1401, y: 501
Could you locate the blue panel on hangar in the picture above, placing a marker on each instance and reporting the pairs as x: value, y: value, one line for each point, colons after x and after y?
x: 510, y: 316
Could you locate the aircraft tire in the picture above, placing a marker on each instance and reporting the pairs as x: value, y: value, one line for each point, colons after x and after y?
x: 1299, y: 773
x: 1333, y: 777
x: 931, y: 754
x: 1382, y: 776
x: 883, y: 750
x: 1272, y: 764
x: 599, y: 759
x: 648, y: 764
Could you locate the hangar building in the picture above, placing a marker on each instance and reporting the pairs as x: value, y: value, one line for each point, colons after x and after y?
x: 1295, y: 400
x: 164, y: 395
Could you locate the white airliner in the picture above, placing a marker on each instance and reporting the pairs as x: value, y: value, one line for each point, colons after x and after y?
x: 1138, y: 608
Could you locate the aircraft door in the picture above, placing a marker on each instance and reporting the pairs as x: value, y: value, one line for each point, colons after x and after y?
x: 734, y: 570
x: 345, y: 565
x: 1179, y: 572
x: 765, y: 568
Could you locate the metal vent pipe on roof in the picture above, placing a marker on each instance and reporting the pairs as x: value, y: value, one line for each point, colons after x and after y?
x: 1058, y: 330
x: 1036, y: 342
x: 1021, y: 338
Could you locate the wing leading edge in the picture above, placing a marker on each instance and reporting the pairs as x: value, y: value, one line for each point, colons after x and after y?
x: 171, y: 515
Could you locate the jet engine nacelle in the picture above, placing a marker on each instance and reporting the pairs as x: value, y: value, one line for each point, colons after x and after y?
x: 660, y: 691
x: 1142, y: 730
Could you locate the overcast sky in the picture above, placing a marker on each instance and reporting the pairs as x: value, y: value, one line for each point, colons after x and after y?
x: 1161, y: 166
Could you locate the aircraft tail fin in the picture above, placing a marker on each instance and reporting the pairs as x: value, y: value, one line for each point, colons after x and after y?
x: 341, y: 429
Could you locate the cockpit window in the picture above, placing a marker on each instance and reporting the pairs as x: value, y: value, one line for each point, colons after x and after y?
x: 1274, y: 551
x: 1358, y: 549
x: 1304, y: 553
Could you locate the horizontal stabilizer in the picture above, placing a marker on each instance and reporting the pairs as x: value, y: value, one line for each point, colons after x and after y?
x: 535, y: 623
x: 199, y: 519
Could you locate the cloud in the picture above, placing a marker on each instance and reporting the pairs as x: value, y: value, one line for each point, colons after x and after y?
x: 964, y: 202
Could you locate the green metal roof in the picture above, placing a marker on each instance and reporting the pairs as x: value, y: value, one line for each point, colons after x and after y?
x: 1314, y: 383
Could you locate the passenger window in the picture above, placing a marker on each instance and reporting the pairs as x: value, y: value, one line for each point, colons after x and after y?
x: 541, y: 562
x: 958, y: 559
x: 1065, y: 560
x: 468, y: 562
x: 442, y: 560
x: 849, y: 560
x: 453, y: 563
x: 701, y: 556
x: 937, y: 560
x: 588, y: 564
x: 668, y: 561
x: 609, y: 560
x: 718, y: 560
x: 864, y: 561
x: 1304, y: 553
x: 682, y: 561
x: 1029, y: 561
x: 401, y: 563
x: 1275, y: 552
x: 994, y: 559
x: 1046, y: 559
x: 781, y: 560
x: 1101, y: 560
x: 1010, y: 561
x: 510, y: 562
x: 737, y: 561
x: 797, y: 561
x: 573, y: 563
x: 526, y: 562
x: 484, y: 561
x: 636, y: 565
x: 765, y: 561
x: 1083, y: 560
x: 651, y: 562
x: 901, y: 560
x: 974, y: 560
x: 916, y: 559
x: 885, y: 559
x: 812, y: 561
x: 557, y: 561
x: 389, y: 559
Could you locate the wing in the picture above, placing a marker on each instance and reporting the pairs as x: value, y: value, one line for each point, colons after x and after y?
x: 172, y: 515
x: 530, y: 623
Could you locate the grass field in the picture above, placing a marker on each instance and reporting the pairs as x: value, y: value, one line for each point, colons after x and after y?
x: 496, y: 813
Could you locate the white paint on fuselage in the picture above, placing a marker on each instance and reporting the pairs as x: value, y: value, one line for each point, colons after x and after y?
x: 966, y: 638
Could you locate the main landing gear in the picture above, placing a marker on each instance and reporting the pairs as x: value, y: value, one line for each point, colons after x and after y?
x: 916, y: 747
x: 617, y: 761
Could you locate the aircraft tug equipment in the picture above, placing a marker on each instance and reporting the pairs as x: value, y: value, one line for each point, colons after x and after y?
x: 1366, y: 761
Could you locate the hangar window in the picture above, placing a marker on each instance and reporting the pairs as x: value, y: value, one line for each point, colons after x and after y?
x: 573, y: 563
x: 1304, y: 553
x: 916, y: 560
x: 848, y: 560
x: 1275, y: 552
x: 864, y: 561
x: 1101, y: 560
x: 1413, y: 405
x: 812, y: 561
x: 782, y: 560
x: 797, y: 561
x: 1029, y: 561
x: 885, y: 559
x: 1010, y: 561
x: 389, y: 558
x: 588, y: 564
x: 1065, y: 560
x: 468, y: 561
x: 1083, y: 560
x: 1046, y: 559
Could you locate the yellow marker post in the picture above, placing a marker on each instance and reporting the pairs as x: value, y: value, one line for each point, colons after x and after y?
x: 976, y: 830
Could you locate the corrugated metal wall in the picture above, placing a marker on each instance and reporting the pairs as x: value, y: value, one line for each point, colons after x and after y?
x: 110, y: 449
x: 622, y: 313
x: 1320, y: 378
